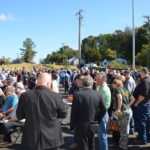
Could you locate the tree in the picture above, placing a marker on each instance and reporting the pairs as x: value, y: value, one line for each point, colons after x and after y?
x: 61, y: 56
x: 141, y: 56
x: 67, y: 53
x: 46, y: 60
x: 4, y: 60
x: 92, y: 55
x: 123, y: 43
x: 115, y: 64
x: 27, y: 51
x: 110, y: 54
x: 90, y: 51
x: 17, y: 61
x: 109, y: 46
x: 104, y: 41
x: 141, y: 38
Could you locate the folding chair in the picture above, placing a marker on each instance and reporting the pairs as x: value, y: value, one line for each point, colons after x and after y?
x: 15, y: 133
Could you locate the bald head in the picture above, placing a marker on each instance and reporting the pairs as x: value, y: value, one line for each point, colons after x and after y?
x: 44, y: 80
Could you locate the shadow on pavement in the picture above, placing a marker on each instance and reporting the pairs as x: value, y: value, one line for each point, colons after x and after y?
x: 16, y: 147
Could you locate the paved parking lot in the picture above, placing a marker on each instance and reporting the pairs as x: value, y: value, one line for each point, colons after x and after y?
x: 68, y: 138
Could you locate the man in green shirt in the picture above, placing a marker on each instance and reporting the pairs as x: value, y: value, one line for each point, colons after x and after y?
x: 103, y: 88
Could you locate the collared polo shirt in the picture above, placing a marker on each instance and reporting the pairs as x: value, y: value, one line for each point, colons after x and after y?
x: 106, y: 95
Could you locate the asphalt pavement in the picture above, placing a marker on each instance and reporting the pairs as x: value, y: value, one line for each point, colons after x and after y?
x: 67, y: 134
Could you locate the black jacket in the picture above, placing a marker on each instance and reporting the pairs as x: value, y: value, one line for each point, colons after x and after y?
x: 41, y: 109
x: 87, y: 111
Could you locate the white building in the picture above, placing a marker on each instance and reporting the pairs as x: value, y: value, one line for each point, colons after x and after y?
x: 75, y: 61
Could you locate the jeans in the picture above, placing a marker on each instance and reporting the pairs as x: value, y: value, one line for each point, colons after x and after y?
x: 132, y: 125
x: 102, y: 133
x: 142, y: 114
x: 74, y: 137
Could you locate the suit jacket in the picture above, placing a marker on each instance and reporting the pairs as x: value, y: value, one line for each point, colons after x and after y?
x: 41, y: 108
x: 87, y: 110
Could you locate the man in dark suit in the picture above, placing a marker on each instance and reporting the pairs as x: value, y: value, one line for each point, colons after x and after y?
x: 87, y: 110
x: 41, y: 108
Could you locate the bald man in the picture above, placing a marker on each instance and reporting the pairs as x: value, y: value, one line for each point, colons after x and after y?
x: 42, y: 109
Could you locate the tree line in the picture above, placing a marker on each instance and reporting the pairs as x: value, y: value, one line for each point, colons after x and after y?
x: 97, y: 48
x: 108, y: 46
x: 118, y: 44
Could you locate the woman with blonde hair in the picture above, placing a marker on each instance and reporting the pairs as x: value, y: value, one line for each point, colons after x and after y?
x: 122, y: 100
x: 120, y: 77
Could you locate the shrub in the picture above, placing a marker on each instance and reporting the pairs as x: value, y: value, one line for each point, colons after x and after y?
x: 117, y: 65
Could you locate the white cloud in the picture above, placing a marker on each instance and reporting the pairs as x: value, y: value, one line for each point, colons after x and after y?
x: 4, y: 17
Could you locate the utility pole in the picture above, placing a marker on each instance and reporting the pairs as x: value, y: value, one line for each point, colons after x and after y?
x: 133, y: 37
x: 79, y: 13
x: 63, y: 44
x: 148, y: 31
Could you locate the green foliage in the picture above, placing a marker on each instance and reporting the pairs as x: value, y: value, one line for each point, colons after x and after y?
x: 110, y: 54
x: 141, y: 56
x: 92, y: 55
x: 115, y: 64
x: 61, y: 56
x: 107, y: 46
x: 69, y: 52
x: 17, y: 60
x: 123, y: 43
x: 52, y: 66
x: 5, y: 60
x: 104, y: 41
x: 27, y: 51
x: 141, y: 38
x: 90, y: 51
x: 28, y: 66
x: 120, y: 42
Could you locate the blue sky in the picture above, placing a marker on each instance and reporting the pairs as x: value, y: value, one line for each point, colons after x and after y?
x: 49, y: 23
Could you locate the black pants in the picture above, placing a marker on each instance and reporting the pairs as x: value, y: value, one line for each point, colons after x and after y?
x: 44, y: 149
x: 66, y: 86
x: 86, y: 143
x: 5, y: 129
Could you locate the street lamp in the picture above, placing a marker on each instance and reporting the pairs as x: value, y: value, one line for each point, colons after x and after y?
x: 133, y: 37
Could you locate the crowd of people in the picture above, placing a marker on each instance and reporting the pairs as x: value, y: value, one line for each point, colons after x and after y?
x: 126, y: 97
x: 31, y: 99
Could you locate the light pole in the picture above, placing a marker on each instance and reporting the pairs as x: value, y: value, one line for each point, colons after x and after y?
x: 133, y: 37
x: 79, y: 38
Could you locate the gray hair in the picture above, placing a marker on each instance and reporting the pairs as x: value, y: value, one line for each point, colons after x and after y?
x: 12, y: 89
x: 145, y: 70
x: 103, y: 75
x: 87, y: 81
